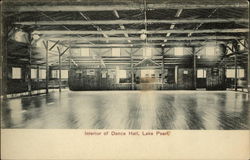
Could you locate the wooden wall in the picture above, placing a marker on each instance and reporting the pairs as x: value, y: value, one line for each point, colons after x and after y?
x: 82, y: 79
x: 216, y: 79
x: 95, y: 79
x: 21, y: 85
x: 185, y: 78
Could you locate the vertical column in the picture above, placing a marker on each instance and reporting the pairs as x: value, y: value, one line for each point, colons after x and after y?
x: 60, y: 73
x: 29, y: 68
x: 4, y: 58
x: 69, y: 57
x: 37, y: 78
x: 132, y: 70
x: 194, y: 68
x: 248, y: 65
x: 47, y: 67
x: 236, y: 73
x: 100, y: 73
x: 162, y: 69
x: 235, y: 45
x: 69, y: 67
x: 176, y: 75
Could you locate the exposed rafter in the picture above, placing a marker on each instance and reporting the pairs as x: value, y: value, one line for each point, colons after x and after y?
x: 49, y: 8
x: 57, y: 32
x: 142, y: 44
x: 149, y: 38
x: 149, y: 21
x: 121, y: 25
x: 97, y: 27
x: 178, y: 13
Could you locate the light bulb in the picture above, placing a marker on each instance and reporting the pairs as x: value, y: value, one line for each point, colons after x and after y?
x: 143, y: 36
x: 36, y: 36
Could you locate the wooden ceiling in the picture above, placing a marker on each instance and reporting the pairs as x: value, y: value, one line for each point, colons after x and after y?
x: 120, y: 23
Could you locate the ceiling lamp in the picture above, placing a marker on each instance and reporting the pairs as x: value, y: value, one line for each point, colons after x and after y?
x: 36, y: 36
x: 143, y: 36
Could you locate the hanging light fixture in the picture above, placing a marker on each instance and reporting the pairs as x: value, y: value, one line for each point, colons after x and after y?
x: 36, y: 36
x: 143, y: 36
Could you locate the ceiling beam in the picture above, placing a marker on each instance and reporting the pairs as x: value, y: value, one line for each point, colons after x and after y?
x: 178, y: 13
x: 97, y: 27
x: 138, y: 38
x: 199, y: 25
x: 121, y: 25
x: 149, y: 21
x: 72, y: 8
x: 112, y: 32
x: 142, y: 44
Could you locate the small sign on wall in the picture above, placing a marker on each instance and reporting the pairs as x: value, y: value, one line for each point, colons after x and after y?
x: 78, y: 71
x: 90, y: 72
x: 185, y: 72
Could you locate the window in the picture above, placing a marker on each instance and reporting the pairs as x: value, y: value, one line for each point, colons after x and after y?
x: 230, y: 73
x: 16, y: 73
x: 75, y: 52
x: 64, y: 74
x: 210, y: 51
x: 241, y: 73
x: 122, y: 74
x: 33, y: 73
x: 147, y: 52
x: 178, y: 51
x: 84, y: 52
x: 201, y: 73
x: 54, y: 74
x: 116, y: 52
x: 42, y: 74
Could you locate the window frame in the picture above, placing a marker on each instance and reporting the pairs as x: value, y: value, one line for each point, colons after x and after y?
x: 113, y: 51
x: 18, y: 70
x: 177, y: 50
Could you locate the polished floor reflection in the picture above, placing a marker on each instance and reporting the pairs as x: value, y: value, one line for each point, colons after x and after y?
x: 129, y: 110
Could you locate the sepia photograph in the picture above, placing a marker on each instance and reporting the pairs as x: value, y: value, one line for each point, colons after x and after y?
x: 125, y: 65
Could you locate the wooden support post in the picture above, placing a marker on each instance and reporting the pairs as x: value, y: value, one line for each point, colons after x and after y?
x: 132, y: 70
x: 194, y: 68
x: 176, y: 75
x: 162, y: 70
x: 60, y: 73
x: 248, y: 66
x: 236, y: 73
x: 28, y: 70
x: 37, y: 78
x: 60, y: 65
x: 4, y: 59
x: 235, y: 46
x: 100, y: 75
x: 46, y: 45
x: 69, y: 57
